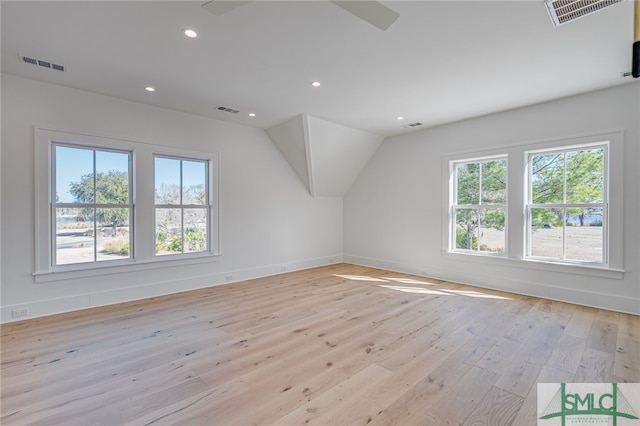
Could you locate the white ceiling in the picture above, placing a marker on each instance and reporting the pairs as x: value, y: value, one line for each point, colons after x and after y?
x: 441, y: 61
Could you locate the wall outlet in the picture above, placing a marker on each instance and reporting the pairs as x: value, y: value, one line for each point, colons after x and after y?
x: 20, y: 313
x: 283, y: 268
x: 229, y: 278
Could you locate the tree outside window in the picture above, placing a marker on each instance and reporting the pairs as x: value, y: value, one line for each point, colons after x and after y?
x: 181, y: 205
x: 567, y: 204
x: 92, y: 204
x: 479, y: 208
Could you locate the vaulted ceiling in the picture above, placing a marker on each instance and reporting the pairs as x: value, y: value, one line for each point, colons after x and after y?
x: 440, y: 61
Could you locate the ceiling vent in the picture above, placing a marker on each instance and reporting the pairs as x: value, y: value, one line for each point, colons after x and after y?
x: 42, y: 63
x: 226, y: 109
x: 416, y: 124
x: 563, y: 11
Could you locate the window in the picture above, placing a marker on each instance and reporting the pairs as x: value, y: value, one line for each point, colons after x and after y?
x: 479, y: 207
x: 552, y: 205
x: 567, y: 204
x: 181, y: 205
x: 90, y: 192
x: 92, y: 207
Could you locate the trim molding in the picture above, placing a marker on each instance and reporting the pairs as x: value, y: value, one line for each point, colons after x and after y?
x: 519, y: 286
x: 129, y: 294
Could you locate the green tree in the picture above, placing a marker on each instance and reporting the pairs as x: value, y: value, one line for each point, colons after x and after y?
x: 478, y: 184
x: 111, y: 187
x: 575, y: 177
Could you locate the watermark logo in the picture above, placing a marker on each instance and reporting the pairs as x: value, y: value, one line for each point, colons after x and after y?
x: 561, y: 404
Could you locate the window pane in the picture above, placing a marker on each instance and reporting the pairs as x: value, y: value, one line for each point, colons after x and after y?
x: 74, y: 175
x: 546, y: 233
x: 168, y: 231
x: 492, y: 235
x: 547, y: 178
x: 74, y: 236
x: 112, y: 177
x: 494, y: 182
x: 468, y: 183
x: 585, y: 176
x: 466, y: 229
x: 167, y: 180
x: 112, y: 237
x: 585, y: 235
x: 194, y: 182
x: 195, y: 230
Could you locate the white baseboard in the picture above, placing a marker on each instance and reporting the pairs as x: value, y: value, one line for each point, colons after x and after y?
x: 91, y: 300
x: 508, y: 284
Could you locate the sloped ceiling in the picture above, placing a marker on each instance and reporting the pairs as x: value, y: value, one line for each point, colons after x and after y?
x: 439, y: 62
x: 328, y: 157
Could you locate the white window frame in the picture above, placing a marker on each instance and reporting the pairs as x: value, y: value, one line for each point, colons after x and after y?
x: 208, y: 206
x: 604, y: 205
x: 517, y: 239
x: 54, y: 205
x: 453, y: 165
x: 143, y: 235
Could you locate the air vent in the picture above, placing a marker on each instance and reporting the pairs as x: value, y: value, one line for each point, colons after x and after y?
x: 416, y: 124
x: 30, y: 60
x: 563, y: 11
x: 226, y: 109
x: 42, y: 63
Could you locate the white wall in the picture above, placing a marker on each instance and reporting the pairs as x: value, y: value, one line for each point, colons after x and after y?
x: 268, y: 220
x: 393, y: 214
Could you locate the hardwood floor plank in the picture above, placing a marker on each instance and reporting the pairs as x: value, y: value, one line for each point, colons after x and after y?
x: 328, y: 407
x: 626, y: 364
x: 580, y: 323
x: 527, y: 415
x: 603, y: 336
x: 460, y: 401
x: 341, y: 344
x: 497, y: 408
x: 595, y: 367
x: 567, y: 353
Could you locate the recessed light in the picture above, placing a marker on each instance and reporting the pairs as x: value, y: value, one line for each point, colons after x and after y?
x: 316, y: 84
x: 252, y: 114
x: 190, y: 33
x: 150, y: 89
x: 400, y: 118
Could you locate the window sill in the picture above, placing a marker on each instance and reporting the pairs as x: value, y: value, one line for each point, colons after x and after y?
x: 542, y: 265
x: 132, y: 266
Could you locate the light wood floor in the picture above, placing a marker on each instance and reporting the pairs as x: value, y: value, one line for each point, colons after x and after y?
x: 334, y: 345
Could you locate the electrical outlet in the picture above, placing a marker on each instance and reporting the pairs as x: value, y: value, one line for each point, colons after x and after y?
x: 20, y: 313
x: 283, y: 268
x: 229, y: 278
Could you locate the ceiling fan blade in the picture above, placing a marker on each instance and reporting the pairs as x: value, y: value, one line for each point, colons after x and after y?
x: 220, y: 7
x: 373, y: 12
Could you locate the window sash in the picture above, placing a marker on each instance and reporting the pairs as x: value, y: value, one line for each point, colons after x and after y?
x: 480, y: 206
x: 55, y: 205
x: 564, y: 205
x: 181, y: 206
